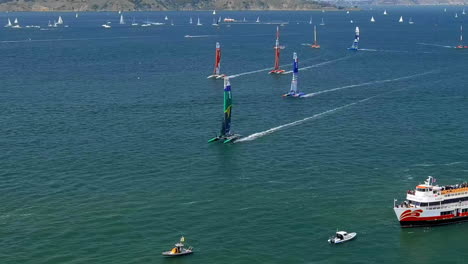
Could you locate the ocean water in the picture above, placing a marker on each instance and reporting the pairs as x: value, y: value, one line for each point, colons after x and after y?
x: 104, y: 137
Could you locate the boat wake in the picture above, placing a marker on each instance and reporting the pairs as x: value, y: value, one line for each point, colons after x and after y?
x: 267, y: 69
x: 316, y: 116
x: 436, y: 45
x: 199, y: 36
x: 322, y: 63
x: 368, y: 83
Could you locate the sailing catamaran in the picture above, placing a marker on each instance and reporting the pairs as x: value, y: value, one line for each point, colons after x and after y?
x: 372, y: 19
x: 461, y: 40
x: 225, y: 135
x: 277, y: 47
x: 294, y: 92
x: 315, y: 45
x: 217, y: 66
x: 355, y: 45
x: 401, y: 19
x: 60, y: 21
x: 9, y: 23
x: 322, y: 23
x: 122, y: 21
x: 199, y: 23
x: 385, y: 12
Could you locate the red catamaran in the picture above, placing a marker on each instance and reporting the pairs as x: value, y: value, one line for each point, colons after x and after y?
x: 277, y: 48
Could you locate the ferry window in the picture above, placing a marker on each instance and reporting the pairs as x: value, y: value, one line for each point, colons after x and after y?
x: 423, y: 204
x: 465, y: 210
x: 446, y: 213
x: 434, y: 203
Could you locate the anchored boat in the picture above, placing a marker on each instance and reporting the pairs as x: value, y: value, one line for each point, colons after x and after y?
x: 430, y: 204
x: 225, y: 135
x: 355, y: 45
x: 217, y: 67
x: 178, y: 250
x: 294, y: 92
x: 341, y: 237
x: 277, y: 47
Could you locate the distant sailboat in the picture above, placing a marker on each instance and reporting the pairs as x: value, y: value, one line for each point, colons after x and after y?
x: 199, y: 23
x: 215, y: 22
x: 347, y: 12
x: 76, y: 15
x: 244, y: 20
x: 60, y: 21
x: 49, y: 24
x: 294, y: 92
x: 172, y: 22
x: 190, y: 21
x: 351, y: 21
x: 463, y: 12
x: 372, y: 19
x: 258, y: 20
x: 9, y: 23
x: 315, y: 45
x: 16, y: 21
x: 445, y: 9
x: 401, y: 19
x: 122, y: 21
x: 217, y: 67
x: 385, y: 12
x: 106, y: 25
x: 134, y: 23
x: 166, y: 18
x: 461, y: 40
x: 214, y: 12
x: 410, y: 21
x: 225, y: 134
x: 310, y: 21
x: 355, y: 45
x: 456, y: 15
x: 322, y: 23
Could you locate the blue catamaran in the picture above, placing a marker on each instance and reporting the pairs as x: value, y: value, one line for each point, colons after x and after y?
x: 225, y: 135
x: 355, y: 45
x: 294, y: 92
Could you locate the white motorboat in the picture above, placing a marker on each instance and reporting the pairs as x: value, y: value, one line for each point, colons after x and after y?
x: 341, y: 237
x: 178, y: 250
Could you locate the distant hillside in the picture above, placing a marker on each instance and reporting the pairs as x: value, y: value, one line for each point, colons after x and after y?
x: 397, y: 2
x: 144, y: 5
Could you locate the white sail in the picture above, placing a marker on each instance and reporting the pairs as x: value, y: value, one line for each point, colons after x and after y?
x: 198, y: 22
x: 190, y: 21
x: 9, y: 23
x: 122, y: 21
x: 410, y: 21
x: 16, y: 21
x: 385, y: 12
x: 372, y: 19
x: 76, y: 15
x: 60, y: 20
x: 214, y: 12
x: 401, y: 19
x: 166, y: 18
x: 347, y: 12
x: 310, y: 21
x: 456, y: 15
x: 322, y: 23
x: 463, y: 12
x: 258, y: 20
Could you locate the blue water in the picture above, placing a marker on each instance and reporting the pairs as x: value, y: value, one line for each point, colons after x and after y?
x: 104, y: 156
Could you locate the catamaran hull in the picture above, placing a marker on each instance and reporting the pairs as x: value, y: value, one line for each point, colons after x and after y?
x: 216, y: 76
x: 315, y: 46
x: 228, y: 139
x: 299, y: 95
x: 277, y: 72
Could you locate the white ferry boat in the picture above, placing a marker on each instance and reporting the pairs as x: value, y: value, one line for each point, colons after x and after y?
x: 430, y: 204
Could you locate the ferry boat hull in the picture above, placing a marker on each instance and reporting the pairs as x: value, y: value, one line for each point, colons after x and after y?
x: 419, y: 217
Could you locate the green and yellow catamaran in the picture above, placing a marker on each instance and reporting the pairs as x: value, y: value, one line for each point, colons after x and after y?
x: 225, y: 135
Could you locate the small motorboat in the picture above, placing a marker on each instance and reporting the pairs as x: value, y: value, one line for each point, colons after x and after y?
x: 178, y: 250
x: 341, y: 237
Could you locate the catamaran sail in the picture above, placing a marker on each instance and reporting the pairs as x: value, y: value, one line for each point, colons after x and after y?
x: 214, y: 12
x: 217, y: 66
x: 294, y: 92
x: 225, y: 133
x: 76, y: 15
x: 16, y: 21
x: 401, y: 19
x: 122, y: 21
x: 385, y: 12
x: 355, y: 45
x: 258, y: 20
x: 60, y: 21
x: 315, y: 45
x: 198, y: 22
x: 277, y: 48
x: 190, y: 21
x: 166, y: 18
x: 9, y: 23
x: 322, y: 23
x: 372, y: 19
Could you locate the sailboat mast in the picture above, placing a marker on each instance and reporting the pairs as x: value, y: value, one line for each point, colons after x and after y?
x: 461, y: 35
x: 295, y: 73
x: 277, y: 50
x: 315, y: 35
x: 226, y: 128
x: 217, y: 59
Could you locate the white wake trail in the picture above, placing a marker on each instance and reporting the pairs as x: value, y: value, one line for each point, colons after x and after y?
x: 436, y: 45
x: 266, y: 69
x: 368, y: 83
x: 295, y: 123
x: 321, y: 64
